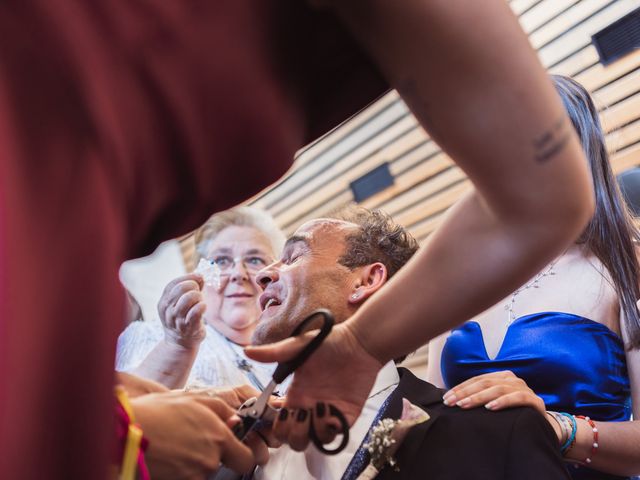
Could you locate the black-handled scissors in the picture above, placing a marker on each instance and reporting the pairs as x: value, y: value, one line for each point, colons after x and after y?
x: 257, y: 413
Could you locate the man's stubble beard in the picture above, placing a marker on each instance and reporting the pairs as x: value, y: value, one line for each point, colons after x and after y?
x: 270, y: 331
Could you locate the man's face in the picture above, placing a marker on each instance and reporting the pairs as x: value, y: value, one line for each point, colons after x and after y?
x: 307, y: 277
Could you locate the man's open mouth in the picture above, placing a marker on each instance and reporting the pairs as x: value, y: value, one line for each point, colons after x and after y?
x: 267, y: 301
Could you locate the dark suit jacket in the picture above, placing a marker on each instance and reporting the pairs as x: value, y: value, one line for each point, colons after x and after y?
x: 514, y: 444
x: 456, y: 444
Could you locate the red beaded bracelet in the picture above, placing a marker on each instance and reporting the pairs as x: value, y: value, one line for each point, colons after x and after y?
x: 594, y: 429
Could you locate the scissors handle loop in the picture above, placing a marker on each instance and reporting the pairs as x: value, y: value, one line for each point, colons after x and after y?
x: 344, y: 430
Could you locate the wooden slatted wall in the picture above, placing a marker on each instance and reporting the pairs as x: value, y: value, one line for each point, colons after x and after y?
x: 427, y: 182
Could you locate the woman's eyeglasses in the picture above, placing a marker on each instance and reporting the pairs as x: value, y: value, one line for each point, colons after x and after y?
x: 213, y: 270
x: 226, y: 264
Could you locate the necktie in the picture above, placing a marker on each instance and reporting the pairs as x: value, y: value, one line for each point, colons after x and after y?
x: 362, y: 457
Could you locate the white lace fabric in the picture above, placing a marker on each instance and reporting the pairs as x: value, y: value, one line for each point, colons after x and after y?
x: 215, y: 364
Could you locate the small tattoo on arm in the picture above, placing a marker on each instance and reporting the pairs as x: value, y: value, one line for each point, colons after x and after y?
x: 550, y: 143
x: 545, y: 146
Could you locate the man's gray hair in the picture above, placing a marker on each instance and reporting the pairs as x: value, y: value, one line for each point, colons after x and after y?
x: 240, y: 217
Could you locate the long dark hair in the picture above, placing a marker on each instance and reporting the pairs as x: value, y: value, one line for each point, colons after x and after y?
x: 611, y: 233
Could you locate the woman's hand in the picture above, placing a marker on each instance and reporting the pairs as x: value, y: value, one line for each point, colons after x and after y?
x: 496, y: 391
x: 235, y: 397
x: 189, y: 436
x: 232, y: 396
x: 340, y: 374
x: 181, y: 308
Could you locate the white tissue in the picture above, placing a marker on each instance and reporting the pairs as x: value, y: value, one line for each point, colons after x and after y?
x: 210, y: 272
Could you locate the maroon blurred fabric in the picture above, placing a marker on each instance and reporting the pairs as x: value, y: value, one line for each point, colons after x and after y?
x: 123, y: 123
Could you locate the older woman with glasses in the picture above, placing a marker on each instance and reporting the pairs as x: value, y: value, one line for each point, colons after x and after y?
x: 205, y: 318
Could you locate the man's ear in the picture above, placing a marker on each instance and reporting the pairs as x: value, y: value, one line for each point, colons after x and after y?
x: 370, y: 279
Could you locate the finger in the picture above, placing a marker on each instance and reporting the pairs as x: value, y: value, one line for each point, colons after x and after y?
x: 477, y: 384
x: 245, y: 392
x: 236, y: 455
x: 164, y: 303
x: 170, y: 297
x: 216, y: 405
x: 182, y: 288
x: 191, y: 277
x: 474, y: 380
x: 282, y: 425
x: 193, y: 320
x: 520, y: 398
x: 484, y: 396
x: 299, y: 430
x: 233, y: 453
x: 466, y: 389
x: 324, y: 424
x: 196, y: 277
x: 232, y: 396
x: 226, y: 394
x: 277, y: 402
x: 187, y: 301
x: 281, y: 351
x: 258, y: 446
x: 268, y: 437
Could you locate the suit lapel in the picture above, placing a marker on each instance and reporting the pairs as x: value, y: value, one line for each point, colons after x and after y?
x: 423, y: 395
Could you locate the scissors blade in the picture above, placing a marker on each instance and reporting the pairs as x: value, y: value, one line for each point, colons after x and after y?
x: 253, y: 411
x: 263, y: 400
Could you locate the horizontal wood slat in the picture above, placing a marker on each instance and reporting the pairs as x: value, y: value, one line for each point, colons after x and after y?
x: 599, y: 76
x: 590, y: 17
x: 521, y: 6
x: 543, y: 12
x: 624, y: 137
x: 576, y: 63
x: 621, y: 114
x: 426, y: 181
x: 626, y: 158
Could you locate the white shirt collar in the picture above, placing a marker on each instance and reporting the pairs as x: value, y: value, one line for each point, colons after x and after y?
x: 311, y: 464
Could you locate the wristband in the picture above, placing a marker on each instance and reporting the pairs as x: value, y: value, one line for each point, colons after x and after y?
x: 134, y: 441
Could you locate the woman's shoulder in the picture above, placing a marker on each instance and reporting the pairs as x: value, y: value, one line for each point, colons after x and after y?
x: 135, y: 343
x: 141, y: 329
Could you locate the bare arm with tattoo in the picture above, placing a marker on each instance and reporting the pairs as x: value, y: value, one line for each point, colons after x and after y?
x: 467, y: 72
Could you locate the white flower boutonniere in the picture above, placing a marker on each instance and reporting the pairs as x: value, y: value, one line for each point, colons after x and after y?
x: 386, y: 437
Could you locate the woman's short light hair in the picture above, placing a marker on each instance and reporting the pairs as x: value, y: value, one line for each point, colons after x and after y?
x: 240, y: 217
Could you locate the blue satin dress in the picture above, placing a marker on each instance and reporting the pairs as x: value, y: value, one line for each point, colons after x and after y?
x: 575, y: 364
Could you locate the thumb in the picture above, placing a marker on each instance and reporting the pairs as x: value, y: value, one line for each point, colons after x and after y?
x: 233, y: 453
x: 281, y: 351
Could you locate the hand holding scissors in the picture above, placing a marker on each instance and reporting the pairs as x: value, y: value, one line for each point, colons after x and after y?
x: 256, y: 413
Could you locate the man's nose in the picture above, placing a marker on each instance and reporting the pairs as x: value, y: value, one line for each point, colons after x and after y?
x: 266, y: 276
